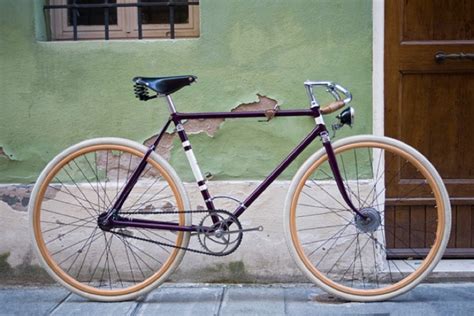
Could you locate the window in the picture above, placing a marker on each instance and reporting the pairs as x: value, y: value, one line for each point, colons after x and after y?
x: 122, y: 19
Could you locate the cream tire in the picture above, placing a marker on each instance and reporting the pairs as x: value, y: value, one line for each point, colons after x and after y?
x: 293, y: 245
x: 172, y: 176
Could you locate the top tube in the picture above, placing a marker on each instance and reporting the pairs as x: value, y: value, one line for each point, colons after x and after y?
x: 243, y: 114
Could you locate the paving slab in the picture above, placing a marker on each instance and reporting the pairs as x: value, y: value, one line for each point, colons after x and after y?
x: 253, y: 301
x: 30, y: 300
x: 182, y: 301
x: 76, y: 305
x: 427, y: 299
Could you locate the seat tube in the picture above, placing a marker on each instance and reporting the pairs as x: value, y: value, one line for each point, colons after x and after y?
x: 188, y: 150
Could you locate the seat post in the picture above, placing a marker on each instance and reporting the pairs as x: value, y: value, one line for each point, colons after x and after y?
x: 171, y: 106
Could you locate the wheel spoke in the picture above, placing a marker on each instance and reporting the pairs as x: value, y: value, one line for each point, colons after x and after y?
x: 357, y: 258
x: 88, y: 256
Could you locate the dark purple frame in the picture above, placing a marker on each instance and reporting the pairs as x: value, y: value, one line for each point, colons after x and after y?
x: 177, y: 117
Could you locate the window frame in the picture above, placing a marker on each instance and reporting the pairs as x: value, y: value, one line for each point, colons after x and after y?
x: 190, y: 29
x: 126, y: 27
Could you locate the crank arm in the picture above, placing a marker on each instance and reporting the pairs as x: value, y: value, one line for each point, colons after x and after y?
x: 258, y: 228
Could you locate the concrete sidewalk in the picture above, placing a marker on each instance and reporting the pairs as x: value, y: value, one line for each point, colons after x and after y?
x: 205, y: 299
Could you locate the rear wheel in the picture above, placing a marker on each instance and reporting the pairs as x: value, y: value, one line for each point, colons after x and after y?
x: 347, y: 255
x: 82, y: 183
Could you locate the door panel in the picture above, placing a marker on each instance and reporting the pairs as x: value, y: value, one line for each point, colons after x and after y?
x: 437, y: 20
x: 430, y: 105
x: 440, y: 108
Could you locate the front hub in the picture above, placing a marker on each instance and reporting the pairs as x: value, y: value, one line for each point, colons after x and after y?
x: 371, y: 222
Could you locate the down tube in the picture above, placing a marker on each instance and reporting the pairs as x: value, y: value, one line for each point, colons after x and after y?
x: 278, y: 170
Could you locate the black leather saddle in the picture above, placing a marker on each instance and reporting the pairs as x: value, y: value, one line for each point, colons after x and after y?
x: 165, y: 85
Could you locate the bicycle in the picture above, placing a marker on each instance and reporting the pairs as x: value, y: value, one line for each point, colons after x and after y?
x: 111, y: 220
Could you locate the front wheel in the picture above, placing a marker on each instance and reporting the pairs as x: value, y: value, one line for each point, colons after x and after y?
x: 398, y: 243
x: 107, y: 263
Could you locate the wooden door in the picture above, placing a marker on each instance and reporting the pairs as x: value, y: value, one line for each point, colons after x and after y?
x: 429, y: 104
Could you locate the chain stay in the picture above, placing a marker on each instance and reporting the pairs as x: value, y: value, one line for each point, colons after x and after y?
x: 171, y: 245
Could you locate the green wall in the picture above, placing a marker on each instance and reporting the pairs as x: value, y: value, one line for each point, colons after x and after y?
x: 54, y: 94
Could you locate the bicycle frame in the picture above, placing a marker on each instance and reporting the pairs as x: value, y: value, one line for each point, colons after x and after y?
x: 176, y: 117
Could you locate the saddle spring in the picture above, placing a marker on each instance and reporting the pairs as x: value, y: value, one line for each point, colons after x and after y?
x: 141, y: 92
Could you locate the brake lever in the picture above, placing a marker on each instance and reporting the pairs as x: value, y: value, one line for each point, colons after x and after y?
x: 332, y: 90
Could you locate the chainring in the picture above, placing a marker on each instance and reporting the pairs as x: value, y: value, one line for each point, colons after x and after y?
x: 218, y: 238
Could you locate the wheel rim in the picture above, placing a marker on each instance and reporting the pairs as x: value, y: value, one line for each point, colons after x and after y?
x: 67, y: 256
x: 308, y: 255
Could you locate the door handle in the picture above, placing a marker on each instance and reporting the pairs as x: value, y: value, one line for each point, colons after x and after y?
x: 442, y: 56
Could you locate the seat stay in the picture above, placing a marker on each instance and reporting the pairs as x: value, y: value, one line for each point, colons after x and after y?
x: 136, y: 174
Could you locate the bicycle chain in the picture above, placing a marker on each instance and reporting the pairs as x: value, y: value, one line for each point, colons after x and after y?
x: 171, y: 245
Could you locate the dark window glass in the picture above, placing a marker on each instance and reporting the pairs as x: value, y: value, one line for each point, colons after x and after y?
x: 160, y: 14
x: 92, y: 16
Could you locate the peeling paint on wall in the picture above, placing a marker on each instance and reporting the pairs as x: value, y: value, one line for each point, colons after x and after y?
x: 18, y: 196
x: 164, y: 146
x: 5, y: 155
x: 264, y: 103
x: 207, y: 126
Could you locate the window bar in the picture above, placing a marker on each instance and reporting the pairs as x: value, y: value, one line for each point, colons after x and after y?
x: 106, y: 20
x: 139, y: 19
x: 74, y: 19
x: 171, y: 18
